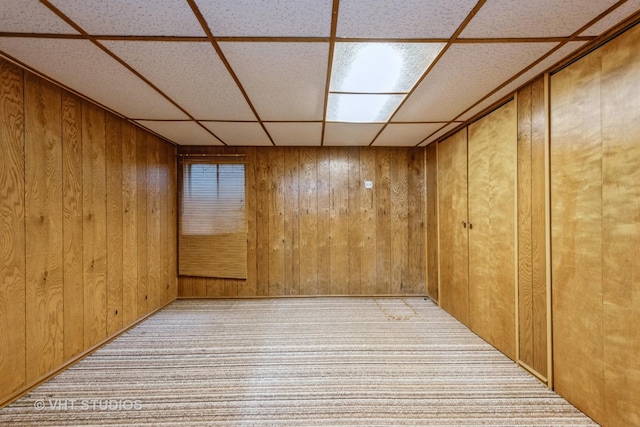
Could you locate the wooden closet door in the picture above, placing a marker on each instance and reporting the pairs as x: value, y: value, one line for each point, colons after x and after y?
x: 492, y: 159
x: 454, y: 238
x: 576, y: 239
x: 620, y: 95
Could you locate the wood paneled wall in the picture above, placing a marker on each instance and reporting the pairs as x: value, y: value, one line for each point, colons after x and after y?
x: 532, y: 282
x: 76, y: 227
x: 314, y: 229
x: 432, y: 220
x: 595, y: 209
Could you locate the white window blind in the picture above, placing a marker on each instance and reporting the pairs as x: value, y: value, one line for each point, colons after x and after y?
x: 212, y: 238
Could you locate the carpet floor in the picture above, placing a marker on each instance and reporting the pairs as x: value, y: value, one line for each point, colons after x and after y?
x: 295, y: 362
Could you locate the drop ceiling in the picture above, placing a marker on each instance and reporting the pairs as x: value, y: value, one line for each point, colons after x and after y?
x: 252, y: 72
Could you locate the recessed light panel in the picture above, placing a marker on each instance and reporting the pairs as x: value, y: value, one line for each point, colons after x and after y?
x: 361, y: 108
x: 380, y: 67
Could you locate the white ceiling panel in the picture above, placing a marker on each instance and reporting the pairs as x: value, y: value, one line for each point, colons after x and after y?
x: 191, y: 74
x: 234, y: 133
x: 350, y: 134
x: 406, y: 134
x: 440, y: 133
x: 533, y: 18
x: 132, y: 17
x: 524, y: 78
x: 84, y: 67
x: 31, y: 16
x: 621, y: 13
x: 465, y: 74
x: 292, y: 134
x: 274, y: 18
x: 183, y: 133
x: 402, y: 19
x: 285, y: 81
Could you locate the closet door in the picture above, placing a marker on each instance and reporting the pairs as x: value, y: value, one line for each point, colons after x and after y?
x: 453, y: 242
x: 492, y: 174
x: 595, y: 217
x: 576, y: 240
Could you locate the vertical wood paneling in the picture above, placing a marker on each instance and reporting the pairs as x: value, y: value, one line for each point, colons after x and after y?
x: 368, y: 221
x: 354, y: 221
x: 154, y: 278
x: 72, y: 227
x: 262, y: 224
x: 317, y: 228
x: 308, y: 220
x: 576, y: 219
x: 399, y: 188
x: 276, y: 222
x: 324, y: 224
x: 383, y: 223
x: 214, y: 286
x: 249, y: 287
x: 43, y: 210
x: 95, y: 223
x: 129, y: 225
x: 525, y: 280
x: 414, y: 280
x: 113, y: 132
x: 173, y: 222
x: 431, y: 214
x: 291, y: 222
x: 163, y: 211
x: 538, y: 227
x: 12, y: 230
x: 454, y: 237
x: 532, y: 289
x: 68, y: 220
x: 339, y: 221
x: 141, y: 211
x: 620, y: 97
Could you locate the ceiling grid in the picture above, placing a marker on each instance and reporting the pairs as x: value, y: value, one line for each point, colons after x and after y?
x: 257, y: 73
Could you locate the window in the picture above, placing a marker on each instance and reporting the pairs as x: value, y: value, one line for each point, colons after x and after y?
x: 212, y: 229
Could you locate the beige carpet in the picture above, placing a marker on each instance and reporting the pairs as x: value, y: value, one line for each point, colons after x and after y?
x: 296, y: 362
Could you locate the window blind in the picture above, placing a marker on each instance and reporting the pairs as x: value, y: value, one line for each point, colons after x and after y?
x: 212, y: 239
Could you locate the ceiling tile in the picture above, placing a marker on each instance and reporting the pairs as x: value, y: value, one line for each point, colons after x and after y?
x: 533, y: 18
x: 440, y: 133
x: 466, y: 73
x: 302, y: 134
x: 618, y: 15
x: 80, y: 65
x: 182, y: 133
x: 235, y: 133
x: 350, y: 134
x: 524, y: 78
x: 402, y: 19
x: 132, y: 17
x: 285, y: 81
x: 406, y: 134
x: 31, y: 16
x: 274, y: 18
x: 191, y: 74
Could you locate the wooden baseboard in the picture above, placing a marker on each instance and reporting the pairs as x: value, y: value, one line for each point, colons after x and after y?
x: 307, y: 296
x: 27, y: 388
